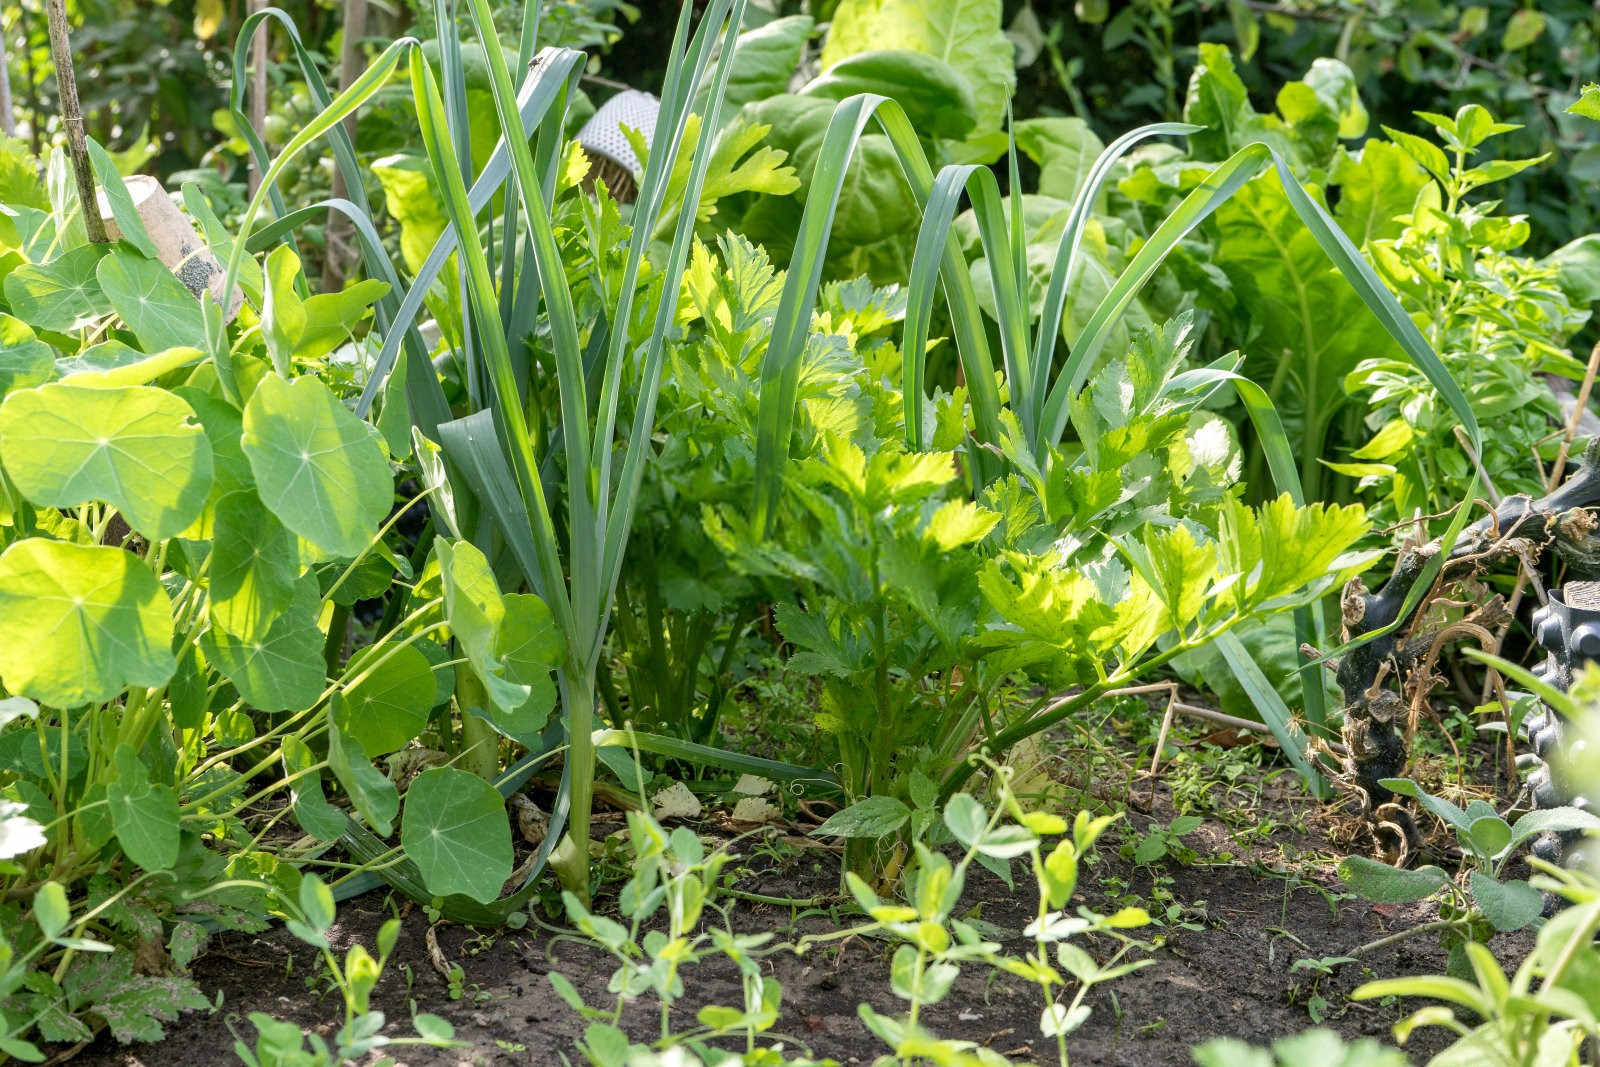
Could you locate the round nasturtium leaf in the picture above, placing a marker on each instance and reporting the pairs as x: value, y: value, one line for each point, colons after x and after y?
x: 389, y: 706
x: 530, y: 645
x: 61, y: 295
x: 320, y: 469
x: 80, y: 623
x: 160, y: 311
x: 145, y: 814
x: 281, y: 670
x: 255, y: 564
x: 456, y: 832
x: 137, y: 448
x: 24, y: 359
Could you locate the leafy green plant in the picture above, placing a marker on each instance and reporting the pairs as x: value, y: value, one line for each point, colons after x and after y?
x: 674, y: 876
x: 310, y: 918
x: 1543, y: 1013
x: 1483, y: 900
x: 934, y: 944
x: 1160, y: 842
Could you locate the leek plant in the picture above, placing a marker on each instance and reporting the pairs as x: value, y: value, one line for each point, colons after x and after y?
x: 1042, y: 383
x: 578, y: 479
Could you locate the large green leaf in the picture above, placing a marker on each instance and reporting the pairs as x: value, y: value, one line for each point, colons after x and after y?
x: 475, y: 608
x: 282, y: 669
x: 764, y: 59
x: 373, y: 795
x: 61, y: 295
x: 158, y: 309
x: 311, y: 328
x: 966, y: 34
x: 145, y: 815
x: 1065, y: 149
x: 455, y: 829
x: 1310, y: 326
x: 137, y: 448
x: 389, y: 700
x: 80, y: 623
x: 320, y: 469
x: 24, y: 359
x: 937, y: 99
x: 1376, y: 187
x: 255, y: 564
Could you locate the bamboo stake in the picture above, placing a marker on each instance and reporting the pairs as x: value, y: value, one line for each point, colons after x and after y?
x: 72, y: 119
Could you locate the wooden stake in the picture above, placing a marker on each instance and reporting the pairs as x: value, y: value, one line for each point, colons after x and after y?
x: 72, y: 119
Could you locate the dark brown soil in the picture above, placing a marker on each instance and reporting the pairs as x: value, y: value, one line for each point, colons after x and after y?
x: 1234, y: 933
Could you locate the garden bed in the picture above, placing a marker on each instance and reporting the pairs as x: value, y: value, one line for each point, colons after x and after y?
x: 1259, y: 894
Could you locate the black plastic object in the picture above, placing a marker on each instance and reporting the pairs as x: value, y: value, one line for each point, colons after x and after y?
x: 1568, y: 629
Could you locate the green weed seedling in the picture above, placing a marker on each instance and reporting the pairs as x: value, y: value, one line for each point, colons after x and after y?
x: 1543, y: 1014
x: 672, y: 873
x: 1160, y: 842
x: 309, y: 917
x: 1482, y: 900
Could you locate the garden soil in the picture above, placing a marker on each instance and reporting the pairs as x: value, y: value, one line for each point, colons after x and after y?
x: 1226, y: 967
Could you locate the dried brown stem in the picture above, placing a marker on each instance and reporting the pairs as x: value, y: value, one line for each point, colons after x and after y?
x: 72, y: 120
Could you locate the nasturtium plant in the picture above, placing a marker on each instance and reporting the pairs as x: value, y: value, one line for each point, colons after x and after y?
x: 386, y: 699
x: 455, y: 829
x: 24, y: 359
x: 321, y: 470
x: 281, y: 668
x: 136, y: 448
x: 79, y: 624
x: 60, y: 295
x: 155, y: 305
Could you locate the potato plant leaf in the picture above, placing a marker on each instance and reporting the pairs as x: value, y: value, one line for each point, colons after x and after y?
x: 80, y: 623
x: 137, y: 448
x: 455, y: 830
